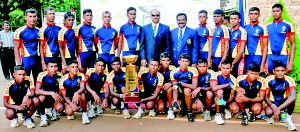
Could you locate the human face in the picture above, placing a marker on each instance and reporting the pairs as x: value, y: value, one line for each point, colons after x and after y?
x: 6, y: 26
x: 165, y: 62
x: 31, y: 18
x: 226, y: 69
x: 115, y: 66
x: 276, y: 13
x: 202, y: 68
x: 218, y: 18
x: 99, y: 66
x: 88, y: 17
x: 50, y: 15
x: 153, y: 66
x: 155, y: 16
x: 52, y: 68
x: 69, y: 21
x: 183, y: 63
x: 106, y: 18
x: 253, y: 16
x: 202, y: 18
x: 279, y: 72
x: 19, y: 76
x: 73, y: 69
x: 181, y: 21
x: 252, y: 76
x: 131, y: 15
x: 234, y: 20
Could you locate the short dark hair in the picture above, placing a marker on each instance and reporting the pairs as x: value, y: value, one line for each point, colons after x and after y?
x: 225, y: 62
x: 100, y: 59
x: 254, y: 9
x: 72, y: 62
x: 155, y: 59
x: 227, y: 18
x: 203, y: 11
x: 5, y: 22
x: 30, y: 11
x: 130, y: 8
x: 219, y: 11
x: 184, y: 56
x: 52, y: 61
x: 202, y: 60
x: 48, y: 9
x: 86, y: 11
x: 181, y: 14
x: 253, y: 66
x: 106, y: 12
x: 279, y: 64
x: 236, y: 13
x: 116, y: 59
x: 164, y: 55
x: 277, y: 5
x: 19, y: 67
x: 68, y: 14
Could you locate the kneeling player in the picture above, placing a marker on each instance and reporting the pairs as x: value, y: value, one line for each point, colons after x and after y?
x: 280, y: 96
x: 152, y: 82
x: 96, y: 87
x: 72, y: 87
x: 222, y: 84
x: 184, y: 79
x: 47, y: 90
x: 250, y: 91
x: 19, y: 98
x: 203, y: 93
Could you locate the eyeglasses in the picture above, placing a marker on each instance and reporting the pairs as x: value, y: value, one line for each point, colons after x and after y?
x: 155, y: 15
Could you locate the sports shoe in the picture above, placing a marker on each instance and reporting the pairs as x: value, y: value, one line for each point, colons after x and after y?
x: 239, y: 115
x: 207, y: 116
x: 37, y: 114
x: 126, y: 114
x: 170, y: 115
x: 28, y: 123
x: 139, y: 113
x: 289, y: 124
x: 270, y: 120
x: 112, y: 106
x: 85, y: 119
x: 99, y: 110
x: 244, y: 121
x: 48, y: 112
x: 14, y: 123
x: 117, y: 111
x: 91, y: 113
x: 72, y: 117
x: 54, y: 116
x: 218, y: 119
x: 44, y: 121
x: 227, y: 114
x: 251, y: 117
x: 152, y: 113
x: 190, y: 117
x: 176, y: 106
x: 182, y: 112
x: 122, y: 105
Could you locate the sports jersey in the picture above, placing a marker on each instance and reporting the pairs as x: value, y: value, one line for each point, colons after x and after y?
x: 251, y: 91
x: 185, y: 76
x: 203, y: 33
x: 66, y: 38
x: 48, y: 36
x: 150, y: 83
x: 255, y: 35
x: 96, y: 81
x: 15, y: 93
x: 28, y: 38
x: 49, y: 83
x: 85, y: 34
x: 279, y: 32
x: 108, y: 37
x: 220, y: 35
x: 203, y: 79
x: 279, y: 88
x: 71, y: 85
x: 117, y: 80
x: 166, y: 73
x: 237, y: 36
x: 130, y: 38
x: 220, y: 80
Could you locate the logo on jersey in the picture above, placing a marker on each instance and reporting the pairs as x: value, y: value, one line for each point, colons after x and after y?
x: 218, y: 34
x: 190, y: 76
x: 138, y: 29
x: 204, y: 32
x: 235, y: 36
x: 189, y: 41
x: 256, y: 32
x: 113, y: 34
x: 154, y: 83
x: 283, y: 29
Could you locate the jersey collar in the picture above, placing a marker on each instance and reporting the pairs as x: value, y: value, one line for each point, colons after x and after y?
x: 279, y: 20
x: 255, y: 23
x: 183, y: 70
x: 236, y: 28
x: 50, y: 24
x: 108, y: 26
x: 29, y: 26
x: 87, y: 23
x: 220, y: 24
x: 202, y: 25
x: 132, y: 23
x: 68, y: 27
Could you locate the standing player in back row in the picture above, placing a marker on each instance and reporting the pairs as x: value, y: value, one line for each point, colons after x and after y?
x: 257, y: 40
x: 280, y: 33
x: 86, y: 45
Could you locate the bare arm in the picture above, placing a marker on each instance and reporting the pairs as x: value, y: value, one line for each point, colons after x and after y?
x: 157, y: 90
x: 292, y: 53
x: 240, y: 53
x: 264, y: 54
x: 260, y: 98
x: 209, y: 51
x: 225, y: 50
x: 17, y: 53
x: 289, y: 100
x: 214, y: 85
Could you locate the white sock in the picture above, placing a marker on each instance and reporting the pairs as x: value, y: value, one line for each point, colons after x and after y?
x: 84, y: 113
x: 288, y: 116
x: 44, y: 116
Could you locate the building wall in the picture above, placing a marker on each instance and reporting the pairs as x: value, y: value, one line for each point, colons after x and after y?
x: 265, y: 6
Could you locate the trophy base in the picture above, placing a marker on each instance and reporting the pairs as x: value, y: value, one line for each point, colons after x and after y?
x: 132, y: 98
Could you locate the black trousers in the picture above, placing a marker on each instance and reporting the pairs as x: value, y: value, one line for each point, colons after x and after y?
x: 7, y: 61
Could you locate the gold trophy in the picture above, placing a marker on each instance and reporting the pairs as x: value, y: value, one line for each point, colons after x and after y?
x: 131, y: 89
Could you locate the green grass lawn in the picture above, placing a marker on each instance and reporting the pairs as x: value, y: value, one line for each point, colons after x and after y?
x: 297, y: 108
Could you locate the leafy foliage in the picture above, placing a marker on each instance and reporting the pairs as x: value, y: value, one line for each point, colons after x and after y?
x: 17, y: 18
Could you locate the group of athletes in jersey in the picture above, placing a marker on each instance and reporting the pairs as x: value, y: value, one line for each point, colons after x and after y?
x: 88, y: 87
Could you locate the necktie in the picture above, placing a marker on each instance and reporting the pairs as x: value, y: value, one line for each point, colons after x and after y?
x: 180, y: 35
x: 154, y: 31
x: 179, y: 40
